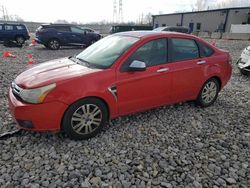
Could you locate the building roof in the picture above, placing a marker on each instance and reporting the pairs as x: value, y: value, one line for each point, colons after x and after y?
x: 194, y: 12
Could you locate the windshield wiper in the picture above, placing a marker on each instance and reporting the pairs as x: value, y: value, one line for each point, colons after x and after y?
x: 79, y: 61
x: 84, y: 62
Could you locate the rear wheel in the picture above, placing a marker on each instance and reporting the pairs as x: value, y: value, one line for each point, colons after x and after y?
x: 85, y: 118
x: 209, y: 93
x: 53, y: 44
x: 20, y: 40
x: 91, y: 42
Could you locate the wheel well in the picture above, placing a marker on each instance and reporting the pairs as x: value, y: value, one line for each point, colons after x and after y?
x: 93, y: 97
x: 104, y: 102
x: 54, y: 38
x: 19, y: 35
x: 218, y: 79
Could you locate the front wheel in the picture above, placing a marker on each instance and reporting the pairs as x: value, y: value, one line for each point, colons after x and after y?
x: 209, y: 93
x: 85, y: 118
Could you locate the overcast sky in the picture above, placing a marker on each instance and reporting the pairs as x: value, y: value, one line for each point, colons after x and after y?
x: 85, y: 11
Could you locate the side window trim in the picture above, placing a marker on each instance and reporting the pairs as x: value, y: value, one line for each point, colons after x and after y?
x: 170, y: 49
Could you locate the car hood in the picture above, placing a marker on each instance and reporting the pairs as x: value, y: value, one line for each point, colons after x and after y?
x: 51, y: 72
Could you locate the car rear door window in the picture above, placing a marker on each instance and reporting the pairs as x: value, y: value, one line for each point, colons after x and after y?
x: 76, y: 30
x: 20, y: 27
x: 183, y: 49
x: 63, y: 29
x: 1, y: 27
x: 151, y: 53
x: 205, y: 50
x: 8, y: 27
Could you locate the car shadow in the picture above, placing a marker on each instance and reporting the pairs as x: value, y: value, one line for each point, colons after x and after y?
x: 116, y: 123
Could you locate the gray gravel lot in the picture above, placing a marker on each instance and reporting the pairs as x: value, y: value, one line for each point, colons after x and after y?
x: 174, y: 146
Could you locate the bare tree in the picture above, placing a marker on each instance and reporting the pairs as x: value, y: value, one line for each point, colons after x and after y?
x: 15, y: 18
x: 61, y: 21
x: 230, y: 3
x: 200, y: 5
x: 148, y: 19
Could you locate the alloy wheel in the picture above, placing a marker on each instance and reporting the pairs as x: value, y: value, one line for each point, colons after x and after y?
x: 54, y: 44
x: 86, y: 119
x: 209, y: 92
x: 20, y: 40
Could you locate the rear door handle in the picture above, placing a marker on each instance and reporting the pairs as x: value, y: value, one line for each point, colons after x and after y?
x: 201, y: 62
x: 162, y: 70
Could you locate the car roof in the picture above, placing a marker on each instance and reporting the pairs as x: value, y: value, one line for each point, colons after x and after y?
x: 11, y: 24
x: 145, y: 34
x: 51, y: 24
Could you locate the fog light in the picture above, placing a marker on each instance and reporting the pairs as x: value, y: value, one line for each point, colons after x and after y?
x: 25, y: 124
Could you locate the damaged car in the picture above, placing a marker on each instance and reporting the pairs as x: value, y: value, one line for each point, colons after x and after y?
x: 244, y: 61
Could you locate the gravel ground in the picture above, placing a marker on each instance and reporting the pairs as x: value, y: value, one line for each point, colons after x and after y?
x: 174, y: 146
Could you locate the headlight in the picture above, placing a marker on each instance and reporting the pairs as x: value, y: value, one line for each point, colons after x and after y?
x: 36, y: 95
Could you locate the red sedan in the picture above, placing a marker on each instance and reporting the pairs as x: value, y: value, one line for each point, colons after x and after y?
x: 121, y: 74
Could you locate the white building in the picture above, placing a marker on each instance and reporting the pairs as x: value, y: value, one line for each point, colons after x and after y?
x: 218, y: 20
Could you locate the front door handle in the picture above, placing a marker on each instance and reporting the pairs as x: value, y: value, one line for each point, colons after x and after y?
x: 162, y: 70
x: 201, y: 62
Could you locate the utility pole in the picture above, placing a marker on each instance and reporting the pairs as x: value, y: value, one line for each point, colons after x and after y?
x: 114, y: 12
x: 120, y: 11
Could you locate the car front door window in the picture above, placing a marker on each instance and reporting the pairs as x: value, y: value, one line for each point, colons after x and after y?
x: 152, y: 53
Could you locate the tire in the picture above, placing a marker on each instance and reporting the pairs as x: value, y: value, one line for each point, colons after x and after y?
x: 84, y: 119
x: 208, y: 93
x: 91, y: 42
x: 53, y: 44
x: 20, y: 40
x: 243, y: 72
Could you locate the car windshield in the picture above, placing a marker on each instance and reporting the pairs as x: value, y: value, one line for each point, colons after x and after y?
x: 106, y: 51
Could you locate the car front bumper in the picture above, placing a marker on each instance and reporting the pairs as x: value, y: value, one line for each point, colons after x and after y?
x: 36, y: 117
x: 244, y: 65
x: 38, y: 40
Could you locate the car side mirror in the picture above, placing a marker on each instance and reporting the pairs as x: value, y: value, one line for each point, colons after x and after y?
x: 85, y: 32
x: 137, y: 66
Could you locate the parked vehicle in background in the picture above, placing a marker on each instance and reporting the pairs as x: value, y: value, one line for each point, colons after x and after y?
x: 14, y: 32
x: 122, y: 28
x: 179, y: 29
x: 244, y: 61
x: 87, y: 29
x: 53, y: 36
x: 121, y: 74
